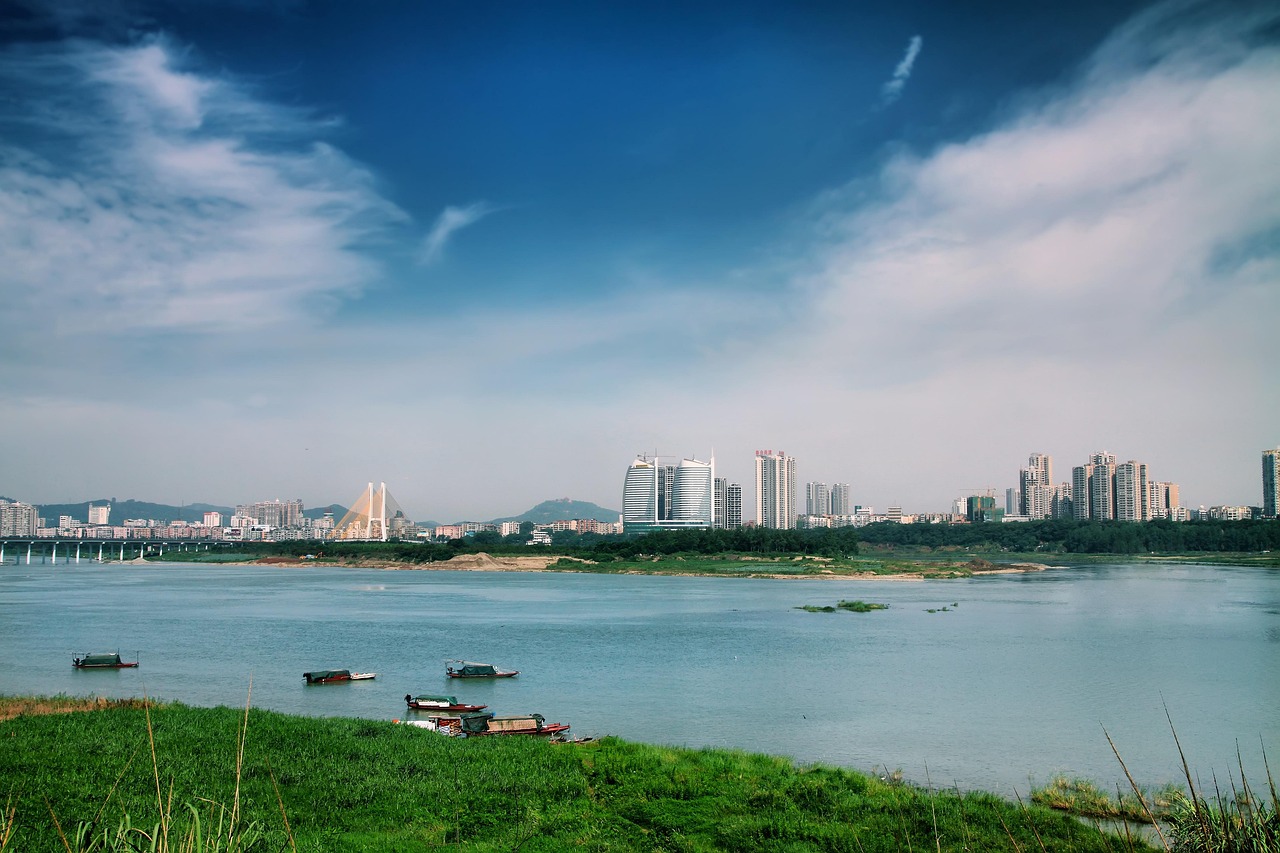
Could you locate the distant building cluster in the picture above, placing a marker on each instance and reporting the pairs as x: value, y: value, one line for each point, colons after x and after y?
x: 687, y: 494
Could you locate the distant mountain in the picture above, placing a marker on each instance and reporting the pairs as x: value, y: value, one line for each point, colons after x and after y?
x: 563, y: 508
x: 318, y: 512
x: 120, y: 510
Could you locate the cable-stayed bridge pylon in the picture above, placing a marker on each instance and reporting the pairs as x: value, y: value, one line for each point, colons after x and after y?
x: 367, y: 518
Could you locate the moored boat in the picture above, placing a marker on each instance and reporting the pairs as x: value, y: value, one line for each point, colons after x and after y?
x: 109, y: 660
x: 327, y: 676
x: 448, y: 704
x: 485, y: 724
x: 331, y: 676
x: 480, y: 725
x: 471, y: 669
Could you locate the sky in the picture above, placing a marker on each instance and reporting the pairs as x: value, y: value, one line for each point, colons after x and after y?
x: 487, y: 253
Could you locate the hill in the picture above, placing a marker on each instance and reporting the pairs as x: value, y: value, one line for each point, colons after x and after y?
x: 193, y: 513
x: 120, y: 510
x: 561, y: 508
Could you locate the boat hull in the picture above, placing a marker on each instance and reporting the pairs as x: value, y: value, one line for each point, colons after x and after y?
x: 104, y: 665
x: 445, y: 709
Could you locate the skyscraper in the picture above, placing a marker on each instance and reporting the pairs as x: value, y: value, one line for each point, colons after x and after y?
x: 733, y: 506
x: 817, y: 499
x: 691, y: 496
x: 1270, y: 482
x: 1132, y: 495
x: 640, y: 494
x: 1035, y: 484
x: 840, y: 499
x: 721, y: 487
x: 775, y: 490
x: 658, y: 496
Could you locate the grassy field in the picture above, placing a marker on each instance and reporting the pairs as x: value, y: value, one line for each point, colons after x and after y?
x: 360, y: 785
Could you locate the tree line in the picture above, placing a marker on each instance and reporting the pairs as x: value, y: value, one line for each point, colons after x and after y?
x: 1060, y: 536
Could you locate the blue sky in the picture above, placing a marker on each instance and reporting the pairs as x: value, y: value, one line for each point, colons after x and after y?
x: 487, y: 253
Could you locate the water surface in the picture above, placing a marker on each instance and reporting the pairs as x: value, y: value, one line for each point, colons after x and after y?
x: 1015, y: 681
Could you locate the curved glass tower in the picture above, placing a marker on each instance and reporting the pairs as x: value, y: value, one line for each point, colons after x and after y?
x: 691, y: 497
x: 640, y: 494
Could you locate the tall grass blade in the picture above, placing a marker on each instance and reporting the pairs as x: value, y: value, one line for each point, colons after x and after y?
x: 1142, y: 801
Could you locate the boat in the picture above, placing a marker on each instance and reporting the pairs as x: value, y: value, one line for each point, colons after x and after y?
x: 332, y: 676
x: 447, y: 726
x: 440, y: 703
x: 471, y: 669
x: 109, y: 660
x: 481, y: 725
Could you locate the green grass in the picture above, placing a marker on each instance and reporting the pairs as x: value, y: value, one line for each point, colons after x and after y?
x: 362, y: 785
x: 1084, y: 798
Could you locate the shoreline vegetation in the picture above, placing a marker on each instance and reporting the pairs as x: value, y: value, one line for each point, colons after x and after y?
x: 878, y: 551
x: 98, y: 774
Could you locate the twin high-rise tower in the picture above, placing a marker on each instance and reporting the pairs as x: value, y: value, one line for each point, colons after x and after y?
x: 669, y: 497
x: 658, y: 496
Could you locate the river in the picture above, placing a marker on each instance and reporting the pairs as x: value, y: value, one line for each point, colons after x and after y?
x: 995, y: 682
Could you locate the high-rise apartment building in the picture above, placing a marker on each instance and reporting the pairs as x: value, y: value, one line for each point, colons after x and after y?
x: 817, y: 499
x: 1035, y: 486
x: 718, y: 501
x: 840, y: 499
x: 1270, y: 482
x: 733, y: 506
x: 1102, y: 490
x: 1132, y: 496
x: 275, y: 513
x: 18, y: 519
x: 1163, y: 499
x: 99, y: 514
x: 1093, y: 487
x: 775, y: 490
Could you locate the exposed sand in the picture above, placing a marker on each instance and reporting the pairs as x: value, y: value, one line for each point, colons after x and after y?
x: 483, y: 562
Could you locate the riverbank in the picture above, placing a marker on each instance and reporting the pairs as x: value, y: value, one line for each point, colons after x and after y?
x: 780, y: 568
x: 338, y: 784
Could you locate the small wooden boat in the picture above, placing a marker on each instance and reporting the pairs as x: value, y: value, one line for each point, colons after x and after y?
x: 445, y: 704
x: 486, y: 724
x: 471, y: 669
x: 483, y: 725
x: 101, y: 661
x: 333, y: 676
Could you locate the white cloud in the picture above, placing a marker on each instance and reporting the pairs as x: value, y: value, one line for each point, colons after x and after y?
x: 892, y: 89
x: 450, y: 221
x: 139, y: 194
x: 1118, y: 235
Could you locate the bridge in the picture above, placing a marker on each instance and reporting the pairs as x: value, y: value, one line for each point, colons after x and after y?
x: 25, y: 550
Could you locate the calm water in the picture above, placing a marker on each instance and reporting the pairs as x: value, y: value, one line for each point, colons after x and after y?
x: 1014, y: 683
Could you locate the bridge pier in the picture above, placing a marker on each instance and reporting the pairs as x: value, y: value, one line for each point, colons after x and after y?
x: 29, y: 544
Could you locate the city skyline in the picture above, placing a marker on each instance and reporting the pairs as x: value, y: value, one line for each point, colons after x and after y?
x: 1125, y: 491
x: 248, y: 250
